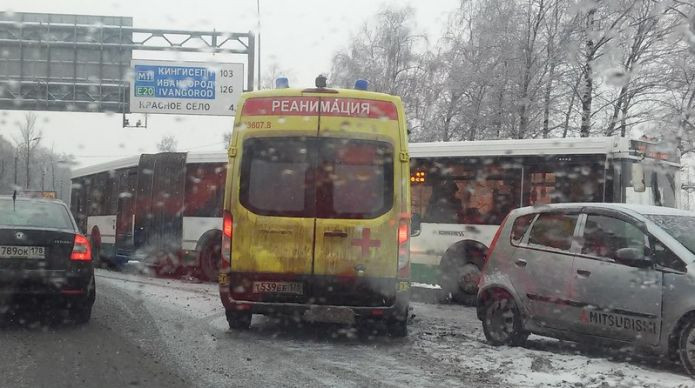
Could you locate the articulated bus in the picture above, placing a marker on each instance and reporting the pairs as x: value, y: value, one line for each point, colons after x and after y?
x: 461, y: 192
x: 164, y: 209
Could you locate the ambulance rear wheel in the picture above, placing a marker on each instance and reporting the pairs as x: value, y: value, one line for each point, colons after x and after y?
x: 397, y: 326
x: 238, y: 320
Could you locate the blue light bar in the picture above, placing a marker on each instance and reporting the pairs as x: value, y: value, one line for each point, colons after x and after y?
x: 361, y: 84
x: 282, y: 83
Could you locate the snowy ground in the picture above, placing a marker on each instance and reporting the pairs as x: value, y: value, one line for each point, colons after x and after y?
x: 445, y: 347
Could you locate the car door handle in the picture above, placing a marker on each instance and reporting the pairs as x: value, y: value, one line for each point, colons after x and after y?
x: 583, y: 273
x: 521, y: 263
x: 335, y: 233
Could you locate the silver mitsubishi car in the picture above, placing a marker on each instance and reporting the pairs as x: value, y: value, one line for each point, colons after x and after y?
x: 622, y: 274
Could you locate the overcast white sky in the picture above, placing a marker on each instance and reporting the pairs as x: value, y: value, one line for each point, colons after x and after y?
x: 300, y: 35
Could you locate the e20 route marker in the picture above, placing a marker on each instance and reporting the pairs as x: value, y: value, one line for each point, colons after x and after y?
x: 194, y: 88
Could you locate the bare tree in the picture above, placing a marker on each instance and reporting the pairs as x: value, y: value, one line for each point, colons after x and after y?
x: 168, y: 143
x: 384, y: 52
x: 273, y: 72
x: 28, y: 140
x: 531, y: 68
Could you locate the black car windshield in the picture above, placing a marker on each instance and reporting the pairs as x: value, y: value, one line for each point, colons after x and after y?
x: 680, y: 227
x: 34, y: 214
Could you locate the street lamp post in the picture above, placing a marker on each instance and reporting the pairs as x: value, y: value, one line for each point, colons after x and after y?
x: 16, y: 159
x: 37, y: 139
x: 258, y: 11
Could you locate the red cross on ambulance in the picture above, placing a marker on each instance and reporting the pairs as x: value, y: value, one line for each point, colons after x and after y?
x: 366, y: 242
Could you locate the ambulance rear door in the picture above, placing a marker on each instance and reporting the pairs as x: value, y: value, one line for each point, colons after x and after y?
x: 356, y: 243
x: 272, y: 248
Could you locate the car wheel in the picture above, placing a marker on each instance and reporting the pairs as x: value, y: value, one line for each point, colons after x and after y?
x: 238, y: 320
x: 209, y: 262
x: 397, y: 326
x: 686, y: 347
x: 81, y: 314
x: 502, y: 321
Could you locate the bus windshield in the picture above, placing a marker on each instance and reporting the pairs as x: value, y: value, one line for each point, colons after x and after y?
x: 659, y: 180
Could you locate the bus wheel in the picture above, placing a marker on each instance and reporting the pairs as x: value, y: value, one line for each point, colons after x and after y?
x: 460, y: 274
x: 96, y: 247
x: 164, y: 265
x: 209, y: 261
x: 238, y: 320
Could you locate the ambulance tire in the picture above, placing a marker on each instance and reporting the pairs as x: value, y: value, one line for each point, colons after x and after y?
x: 238, y: 320
x: 686, y: 347
x: 397, y: 327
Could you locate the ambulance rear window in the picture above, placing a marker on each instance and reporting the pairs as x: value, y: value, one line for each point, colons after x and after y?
x: 311, y: 177
x: 275, y: 177
x: 354, y: 178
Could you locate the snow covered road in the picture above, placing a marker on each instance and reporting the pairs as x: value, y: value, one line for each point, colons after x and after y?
x: 445, y: 347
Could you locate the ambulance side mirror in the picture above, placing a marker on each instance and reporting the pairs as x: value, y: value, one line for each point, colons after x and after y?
x: 415, y: 222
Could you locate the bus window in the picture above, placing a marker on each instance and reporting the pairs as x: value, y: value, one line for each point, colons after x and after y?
x: 565, y: 179
x: 468, y: 191
x: 204, y: 189
x: 443, y: 205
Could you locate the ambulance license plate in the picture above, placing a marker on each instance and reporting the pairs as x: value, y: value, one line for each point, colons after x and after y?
x: 296, y: 288
x: 330, y: 314
x: 22, y: 252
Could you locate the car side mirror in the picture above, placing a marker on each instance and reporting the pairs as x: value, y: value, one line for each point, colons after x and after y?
x: 415, y: 225
x: 633, y: 257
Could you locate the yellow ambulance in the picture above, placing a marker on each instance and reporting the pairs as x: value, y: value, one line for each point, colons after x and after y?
x: 317, y: 208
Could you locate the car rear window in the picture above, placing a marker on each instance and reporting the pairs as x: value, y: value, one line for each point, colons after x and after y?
x: 317, y: 177
x: 34, y: 214
x: 553, y: 230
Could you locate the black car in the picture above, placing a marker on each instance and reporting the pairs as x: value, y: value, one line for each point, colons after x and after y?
x: 44, y: 258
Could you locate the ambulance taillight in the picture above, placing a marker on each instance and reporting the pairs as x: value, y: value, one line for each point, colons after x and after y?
x: 227, y: 232
x: 404, y: 249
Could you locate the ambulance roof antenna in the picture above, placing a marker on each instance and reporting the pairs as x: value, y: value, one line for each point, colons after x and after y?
x: 321, y: 81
